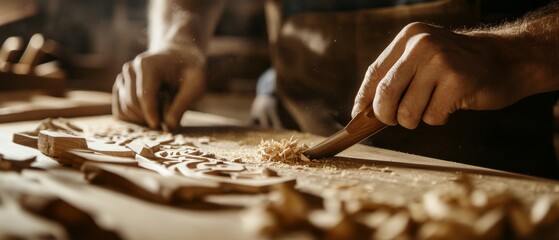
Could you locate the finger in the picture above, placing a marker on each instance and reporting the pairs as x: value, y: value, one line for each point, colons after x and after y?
x: 378, y: 70
x: 125, y: 110
x: 415, y: 99
x: 131, y: 105
x: 115, y: 106
x: 191, y: 88
x: 117, y: 110
x: 391, y: 88
x: 147, y: 89
x: 117, y: 102
x: 440, y: 107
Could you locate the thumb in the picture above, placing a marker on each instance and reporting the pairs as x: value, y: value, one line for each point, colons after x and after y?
x: 192, y: 86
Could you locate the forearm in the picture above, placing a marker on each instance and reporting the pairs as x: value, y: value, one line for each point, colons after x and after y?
x: 530, y: 47
x: 175, y: 24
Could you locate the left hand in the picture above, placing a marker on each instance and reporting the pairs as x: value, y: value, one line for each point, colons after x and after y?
x: 140, y: 87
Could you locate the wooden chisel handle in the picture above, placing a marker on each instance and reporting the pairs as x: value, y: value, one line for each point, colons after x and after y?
x: 360, y: 127
x: 365, y: 123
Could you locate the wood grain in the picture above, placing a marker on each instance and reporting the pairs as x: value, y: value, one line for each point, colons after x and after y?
x: 77, y: 157
x: 54, y: 144
x: 149, y: 185
x: 28, y: 139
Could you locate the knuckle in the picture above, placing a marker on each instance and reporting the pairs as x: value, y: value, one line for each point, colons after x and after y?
x: 404, y: 113
x: 384, y: 90
x: 426, y: 41
x: 143, y: 61
x: 434, y: 117
x: 371, y: 72
x: 406, y: 117
x: 387, y: 94
x: 442, y: 60
x: 384, y: 112
x: 416, y: 28
x: 118, y: 83
x: 126, y: 67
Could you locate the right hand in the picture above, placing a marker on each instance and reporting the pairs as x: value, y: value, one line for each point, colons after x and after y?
x: 428, y: 72
x: 137, y: 88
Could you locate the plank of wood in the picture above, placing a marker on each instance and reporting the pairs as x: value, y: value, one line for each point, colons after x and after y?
x: 18, y: 82
x: 28, y: 139
x: 77, y: 157
x: 16, y: 162
x: 110, y: 149
x: 54, y: 144
x: 35, y: 105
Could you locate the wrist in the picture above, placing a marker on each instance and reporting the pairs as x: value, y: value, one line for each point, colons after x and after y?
x: 521, y: 62
x: 189, y: 53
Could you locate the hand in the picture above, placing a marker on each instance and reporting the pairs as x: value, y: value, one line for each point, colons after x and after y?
x: 138, y: 89
x: 428, y: 72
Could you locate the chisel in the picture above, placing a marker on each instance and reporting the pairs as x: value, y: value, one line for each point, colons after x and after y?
x: 360, y: 127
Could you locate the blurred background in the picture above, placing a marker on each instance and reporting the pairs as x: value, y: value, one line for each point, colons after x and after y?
x: 92, y: 39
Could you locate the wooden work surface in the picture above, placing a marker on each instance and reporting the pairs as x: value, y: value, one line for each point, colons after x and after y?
x: 361, y: 172
x: 35, y: 105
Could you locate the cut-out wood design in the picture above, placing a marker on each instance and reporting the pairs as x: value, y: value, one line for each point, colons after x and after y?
x: 148, y: 185
x: 191, y: 162
x: 55, y: 143
x: 77, y: 157
x: 109, y: 148
x: 20, y: 224
x: 164, y: 153
x: 31, y: 138
x: 15, y: 162
x: 143, y: 148
x: 133, y: 218
x: 178, y: 174
x: 28, y: 139
x: 28, y: 210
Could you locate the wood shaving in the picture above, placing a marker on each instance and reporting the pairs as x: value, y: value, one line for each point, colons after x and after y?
x: 289, y: 151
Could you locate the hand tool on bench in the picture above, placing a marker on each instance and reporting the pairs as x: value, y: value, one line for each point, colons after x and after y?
x: 360, y: 127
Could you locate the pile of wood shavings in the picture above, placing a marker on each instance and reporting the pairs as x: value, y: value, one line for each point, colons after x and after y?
x: 288, y: 151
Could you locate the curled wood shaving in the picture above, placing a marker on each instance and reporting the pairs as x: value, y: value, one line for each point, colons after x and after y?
x: 283, y: 150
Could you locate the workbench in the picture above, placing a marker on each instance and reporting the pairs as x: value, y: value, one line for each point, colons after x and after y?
x: 389, y: 179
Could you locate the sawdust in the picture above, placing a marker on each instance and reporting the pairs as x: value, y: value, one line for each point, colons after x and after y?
x: 376, y: 169
x: 287, y: 151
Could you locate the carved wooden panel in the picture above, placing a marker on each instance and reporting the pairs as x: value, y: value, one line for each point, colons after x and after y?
x: 123, y: 172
